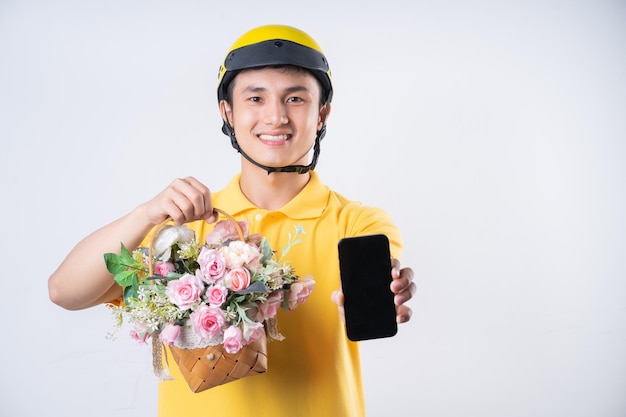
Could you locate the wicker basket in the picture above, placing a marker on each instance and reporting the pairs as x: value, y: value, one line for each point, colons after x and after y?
x: 210, y: 366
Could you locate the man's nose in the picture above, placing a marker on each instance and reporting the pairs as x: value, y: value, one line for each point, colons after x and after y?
x: 275, y: 113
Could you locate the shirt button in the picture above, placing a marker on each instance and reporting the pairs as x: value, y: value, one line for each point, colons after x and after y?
x: 258, y: 217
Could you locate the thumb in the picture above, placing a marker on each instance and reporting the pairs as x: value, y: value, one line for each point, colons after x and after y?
x: 337, y: 297
x: 211, y: 216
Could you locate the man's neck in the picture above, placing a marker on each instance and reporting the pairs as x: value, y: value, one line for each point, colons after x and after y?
x: 272, y: 191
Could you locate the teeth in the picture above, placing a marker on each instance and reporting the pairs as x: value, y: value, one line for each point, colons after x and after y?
x: 272, y: 137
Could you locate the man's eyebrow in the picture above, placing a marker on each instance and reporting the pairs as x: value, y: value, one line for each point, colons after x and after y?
x: 289, y: 90
x: 253, y: 89
x: 297, y: 89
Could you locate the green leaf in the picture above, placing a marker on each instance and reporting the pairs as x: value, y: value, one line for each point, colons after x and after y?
x: 266, y: 251
x: 126, y: 254
x: 132, y: 291
x: 170, y: 276
x: 292, y: 240
x: 256, y: 286
x: 114, y: 263
x: 126, y: 278
x: 123, y: 266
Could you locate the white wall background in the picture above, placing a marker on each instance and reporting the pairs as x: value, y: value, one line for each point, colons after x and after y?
x: 493, y: 132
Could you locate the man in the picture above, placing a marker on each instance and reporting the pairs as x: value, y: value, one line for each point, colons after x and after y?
x: 274, y: 96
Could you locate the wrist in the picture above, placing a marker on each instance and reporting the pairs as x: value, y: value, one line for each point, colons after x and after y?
x: 140, y: 220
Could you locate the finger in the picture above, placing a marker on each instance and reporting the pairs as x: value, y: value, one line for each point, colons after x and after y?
x: 204, y: 205
x: 396, y: 271
x: 193, y: 197
x: 395, y: 264
x: 403, y: 314
x: 172, y: 210
x: 190, y: 198
x: 211, y: 218
x: 405, y: 295
x: 182, y: 200
x: 337, y: 298
x: 402, y: 279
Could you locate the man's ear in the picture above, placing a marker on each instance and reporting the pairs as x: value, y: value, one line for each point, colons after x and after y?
x: 226, y: 112
x: 323, y: 116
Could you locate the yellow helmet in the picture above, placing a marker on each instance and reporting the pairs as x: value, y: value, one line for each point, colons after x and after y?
x: 275, y: 45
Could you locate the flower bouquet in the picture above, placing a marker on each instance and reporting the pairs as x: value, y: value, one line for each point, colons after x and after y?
x: 214, y: 304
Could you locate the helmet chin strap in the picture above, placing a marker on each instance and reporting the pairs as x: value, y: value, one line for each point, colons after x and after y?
x: 300, y: 169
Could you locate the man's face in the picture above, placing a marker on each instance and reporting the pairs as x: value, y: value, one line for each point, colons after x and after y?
x: 275, y: 114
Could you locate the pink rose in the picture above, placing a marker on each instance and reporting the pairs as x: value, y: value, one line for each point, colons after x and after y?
x: 269, y: 308
x: 227, y: 230
x: 185, y: 292
x: 216, y: 295
x: 208, y: 321
x: 255, y: 239
x: 163, y: 268
x: 213, y: 239
x: 169, y: 334
x: 299, y: 291
x: 252, y: 331
x: 212, y: 265
x: 140, y: 333
x: 237, y: 279
x: 233, y: 339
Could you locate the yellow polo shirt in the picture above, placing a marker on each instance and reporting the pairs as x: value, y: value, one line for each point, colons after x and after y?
x: 315, y: 371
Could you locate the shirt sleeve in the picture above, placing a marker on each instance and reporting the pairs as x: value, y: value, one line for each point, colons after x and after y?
x: 365, y: 220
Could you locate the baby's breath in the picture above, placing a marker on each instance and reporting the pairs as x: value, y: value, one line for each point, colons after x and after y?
x: 138, y: 256
x: 152, y: 307
x: 189, y: 250
x: 117, y: 313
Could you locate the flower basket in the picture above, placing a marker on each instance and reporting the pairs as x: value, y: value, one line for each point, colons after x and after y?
x: 210, y: 366
x: 213, y: 305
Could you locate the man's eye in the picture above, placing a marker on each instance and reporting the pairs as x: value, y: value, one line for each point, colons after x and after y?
x: 254, y: 99
x: 294, y: 100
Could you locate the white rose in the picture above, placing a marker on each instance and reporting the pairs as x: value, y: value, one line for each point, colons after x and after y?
x: 239, y: 253
x: 168, y: 236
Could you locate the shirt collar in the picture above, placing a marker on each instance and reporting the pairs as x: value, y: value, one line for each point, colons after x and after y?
x: 309, y: 203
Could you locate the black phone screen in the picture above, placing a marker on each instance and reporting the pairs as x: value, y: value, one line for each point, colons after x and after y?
x: 365, y: 266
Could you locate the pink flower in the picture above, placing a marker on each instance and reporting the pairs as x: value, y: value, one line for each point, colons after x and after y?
x: 269, y: 308
x: 163, y: 268
x: 233, y: 339
x: 255, y: 239
x: 216, y: 295
x: 208, y: 321
x: 237, y: 279
x: 169, y: 334
x: 212, y: 265
x: 252, y: 331
x: 140, y: 333
x: 300, y: 290
x: 213, y: 239
x: 185, y: 292
x: 239, y: 253
x: 227, y: 230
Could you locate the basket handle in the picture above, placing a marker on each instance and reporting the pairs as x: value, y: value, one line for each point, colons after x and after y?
x: 161, y: 225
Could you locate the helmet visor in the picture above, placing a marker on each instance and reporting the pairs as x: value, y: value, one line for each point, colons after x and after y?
x: 275, y: 52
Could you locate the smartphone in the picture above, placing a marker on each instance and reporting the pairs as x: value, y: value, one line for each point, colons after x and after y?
x: 365, y: 267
